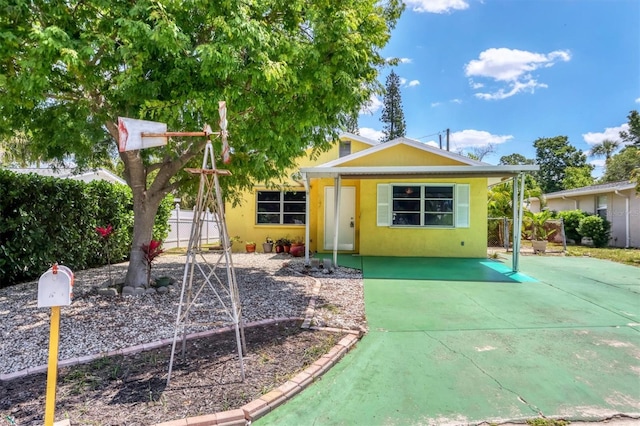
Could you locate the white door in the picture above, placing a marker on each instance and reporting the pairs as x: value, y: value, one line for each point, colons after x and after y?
x: 346, y: 220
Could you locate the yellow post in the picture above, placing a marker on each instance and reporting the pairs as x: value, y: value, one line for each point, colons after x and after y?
x: 52, y: 371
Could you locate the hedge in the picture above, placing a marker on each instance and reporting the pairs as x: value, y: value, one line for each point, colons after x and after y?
x: 45, y: 220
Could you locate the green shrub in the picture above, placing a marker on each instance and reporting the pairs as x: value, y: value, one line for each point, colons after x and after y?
x: 45, y: 220
x: 571, y: 220
x: 596, y: 228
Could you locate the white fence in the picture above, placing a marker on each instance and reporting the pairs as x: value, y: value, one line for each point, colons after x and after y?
x: 180, y: 223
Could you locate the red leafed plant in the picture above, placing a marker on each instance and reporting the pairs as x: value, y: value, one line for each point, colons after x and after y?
x: 150, y: 252
x: 105, y: 233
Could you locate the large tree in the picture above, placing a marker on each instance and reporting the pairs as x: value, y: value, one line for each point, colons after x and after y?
x: 392, y: 113
x: 632, y: 136
x: 622, y: 165
x: 554, y: 156
x: 288, y: 70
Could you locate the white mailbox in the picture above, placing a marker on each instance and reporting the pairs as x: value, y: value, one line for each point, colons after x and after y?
x: 55, y: 287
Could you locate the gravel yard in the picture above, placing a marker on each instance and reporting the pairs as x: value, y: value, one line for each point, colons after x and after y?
x: 270, y: 286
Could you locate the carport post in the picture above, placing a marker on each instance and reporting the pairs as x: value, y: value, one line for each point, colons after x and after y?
x: 517, y: 214
x: 306, y: 218
x: 336, y: 216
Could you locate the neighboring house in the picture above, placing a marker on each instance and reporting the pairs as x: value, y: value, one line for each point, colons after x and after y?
x: 99, y: 174
x: 399, y: 198
x: 617, y: 202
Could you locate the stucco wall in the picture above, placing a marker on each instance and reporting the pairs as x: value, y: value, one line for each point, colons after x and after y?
x: 372, y: 240
x: 241, y: 222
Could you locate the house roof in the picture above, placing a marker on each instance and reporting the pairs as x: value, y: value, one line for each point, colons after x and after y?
x: 592, y: 189
x: 99, y: 174
x: 466, y: 167
x: 359, y: 138
x: 408, y: 142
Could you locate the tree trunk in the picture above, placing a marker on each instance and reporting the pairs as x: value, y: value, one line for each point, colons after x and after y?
x: 145, y: 206
x: 144, y: 212
x: 146, y: 199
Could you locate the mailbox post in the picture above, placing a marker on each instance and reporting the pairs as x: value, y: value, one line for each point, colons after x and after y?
x: 55, y: 289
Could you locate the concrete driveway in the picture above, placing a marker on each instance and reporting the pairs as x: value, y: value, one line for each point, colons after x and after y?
x: 462, y: 341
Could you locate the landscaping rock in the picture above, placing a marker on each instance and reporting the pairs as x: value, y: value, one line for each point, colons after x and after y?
x: 109, y: 291
x: 128, y: 291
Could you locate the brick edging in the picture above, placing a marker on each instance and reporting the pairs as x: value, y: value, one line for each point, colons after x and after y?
x: 259, y: 407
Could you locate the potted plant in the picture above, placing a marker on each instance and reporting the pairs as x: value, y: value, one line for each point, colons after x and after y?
x: 538, y: 231
x: 267, y: 246
x: 283, y: 245
x: 250, y: 246
x: 297, y: 247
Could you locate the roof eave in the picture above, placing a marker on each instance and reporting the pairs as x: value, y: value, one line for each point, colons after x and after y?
x: 419, y: 171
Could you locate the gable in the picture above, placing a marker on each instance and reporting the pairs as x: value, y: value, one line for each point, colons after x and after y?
x: 401, y: 155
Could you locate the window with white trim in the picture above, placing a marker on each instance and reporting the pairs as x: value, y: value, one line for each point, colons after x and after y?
x: 423, y: 205
x: 281, y: 207
x: 345, y: 148
x: 601, y: 206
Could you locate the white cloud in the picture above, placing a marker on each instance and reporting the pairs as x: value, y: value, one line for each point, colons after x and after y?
x: 512, y: 67
x: 374, y: 134
x: 403, y: 81
x: 435, y: 104
x: 475, y: 85
x: 433, y: 143
x: 437, y: 6
x: 638, y: 101
x: 373, y: 106
x: 475, y: 138
x: 455, y: 101
x: 413, y: 83
x: 529, y: 86
x: 598, y: 163
x: 393, y: 59
x: 611, y: 133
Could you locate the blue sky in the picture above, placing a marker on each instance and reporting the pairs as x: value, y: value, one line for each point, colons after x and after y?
x: 507, y: 72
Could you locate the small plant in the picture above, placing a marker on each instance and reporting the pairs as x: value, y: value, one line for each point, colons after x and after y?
x: 284, y: 241
x: 150, y: 252
x: 268, y: 240
x: 538, y: 223
x: 105, y: 233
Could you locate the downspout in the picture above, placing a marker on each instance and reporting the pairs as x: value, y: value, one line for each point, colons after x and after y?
x: 627, y: 213
x: 336, y: 217
x: 306, y: 218
x: 520, y: 216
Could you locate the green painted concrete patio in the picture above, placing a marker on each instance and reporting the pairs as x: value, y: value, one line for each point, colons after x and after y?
x: 462, y: 341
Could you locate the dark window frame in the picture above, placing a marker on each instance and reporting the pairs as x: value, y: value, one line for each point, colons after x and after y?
x: 288, y: 209
x: 422, y: 205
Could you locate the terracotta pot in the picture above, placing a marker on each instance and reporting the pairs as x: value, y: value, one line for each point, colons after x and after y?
x: 251, y: 248
x: 297, y: 250
x: 287, y: 248
x: 279, y: 249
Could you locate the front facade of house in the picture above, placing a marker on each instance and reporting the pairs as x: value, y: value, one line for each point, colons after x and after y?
x: 617, y: 202
x: 399, y: 198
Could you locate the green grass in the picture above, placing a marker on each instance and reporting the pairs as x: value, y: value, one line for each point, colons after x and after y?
x: 626, y: 256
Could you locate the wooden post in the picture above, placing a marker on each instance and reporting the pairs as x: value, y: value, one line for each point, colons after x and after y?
x: 52, y: 371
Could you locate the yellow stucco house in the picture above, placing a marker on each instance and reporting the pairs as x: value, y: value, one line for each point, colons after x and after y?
x: 399, y: 198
